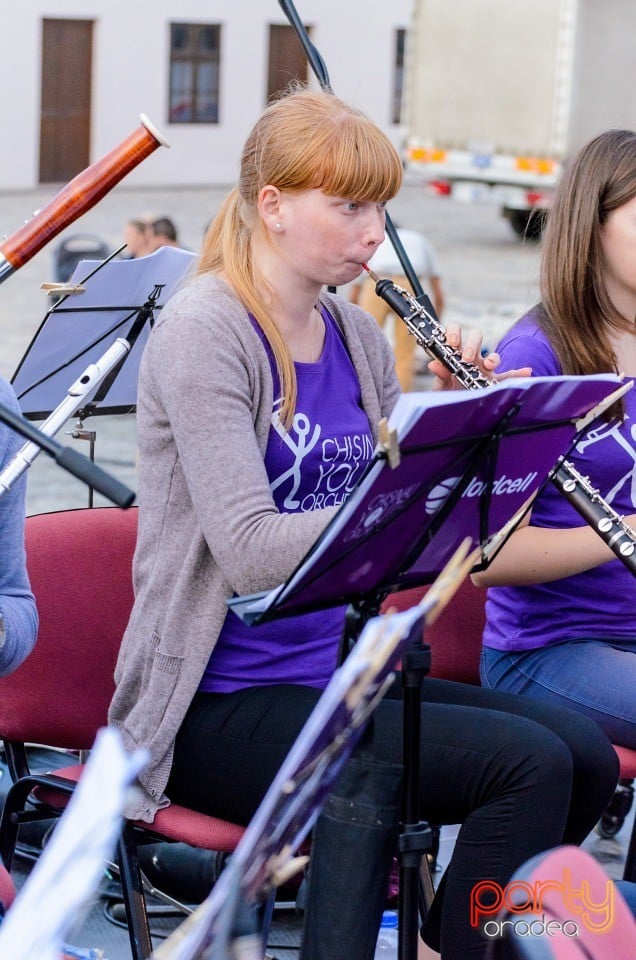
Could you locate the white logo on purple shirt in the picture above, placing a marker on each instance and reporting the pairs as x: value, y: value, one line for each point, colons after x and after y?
x: 300, y: 449
x: 613, y: 432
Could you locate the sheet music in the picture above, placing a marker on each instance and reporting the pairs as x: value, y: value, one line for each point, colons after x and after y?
x: 410, y: 406
x: 448, y: 423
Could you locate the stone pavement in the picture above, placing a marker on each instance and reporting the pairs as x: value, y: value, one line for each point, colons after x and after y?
x: 489, y: 279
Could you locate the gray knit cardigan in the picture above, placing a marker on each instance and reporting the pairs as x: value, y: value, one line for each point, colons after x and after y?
x: 208, y: 526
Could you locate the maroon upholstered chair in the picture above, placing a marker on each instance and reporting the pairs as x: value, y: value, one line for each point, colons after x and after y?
x: 7, y: 888
x: 79, y: 563
x: 455, y: 637
x: 455, y: 642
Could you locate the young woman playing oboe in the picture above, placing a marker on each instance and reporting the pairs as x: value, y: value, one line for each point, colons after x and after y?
x: 253, y: 379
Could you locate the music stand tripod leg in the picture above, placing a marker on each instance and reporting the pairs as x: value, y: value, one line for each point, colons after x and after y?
x: 357, y: 615
x: 416, y: 836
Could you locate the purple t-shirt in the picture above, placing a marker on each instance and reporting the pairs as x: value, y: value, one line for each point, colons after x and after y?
x: 316, y: 464
x: 599, y: 603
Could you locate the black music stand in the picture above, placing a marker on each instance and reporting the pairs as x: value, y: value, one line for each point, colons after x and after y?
x: 264, y: 857
x: 84, y: 358
x: 455, y: 464
x: 451, y: 467
x: 102, y: 301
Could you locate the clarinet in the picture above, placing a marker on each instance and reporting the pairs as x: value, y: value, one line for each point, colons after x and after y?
x: 78, y: 196
x: 430, y: 334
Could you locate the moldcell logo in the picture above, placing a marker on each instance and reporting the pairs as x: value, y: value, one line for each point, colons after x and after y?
x: 475, y: 488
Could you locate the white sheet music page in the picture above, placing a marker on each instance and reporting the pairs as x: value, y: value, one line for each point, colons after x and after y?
x: 50, y: 903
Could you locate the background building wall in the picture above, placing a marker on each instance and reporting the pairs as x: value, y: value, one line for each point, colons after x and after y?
x: 130, y: 76
x: 604, y: 69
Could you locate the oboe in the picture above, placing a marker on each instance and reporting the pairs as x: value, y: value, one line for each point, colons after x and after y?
x: 431, y: 335
x: 78, y: 196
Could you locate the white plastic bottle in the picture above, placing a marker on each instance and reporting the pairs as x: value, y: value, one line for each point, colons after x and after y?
x: 387, y: 946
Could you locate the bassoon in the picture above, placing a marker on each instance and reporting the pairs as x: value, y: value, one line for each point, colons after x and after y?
x: 78, y: 196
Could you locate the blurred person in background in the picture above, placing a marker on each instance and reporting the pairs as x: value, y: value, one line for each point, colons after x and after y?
x: 162, y: 232
x: 136, y: 239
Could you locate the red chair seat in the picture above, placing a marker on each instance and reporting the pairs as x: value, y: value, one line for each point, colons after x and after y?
x: 7, y: 888
x: 170, y: 823
x: 570, y: 881
x: 80, y: 567
x: 627, y: 759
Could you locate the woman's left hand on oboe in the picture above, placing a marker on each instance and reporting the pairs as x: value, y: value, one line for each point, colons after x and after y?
x: 470, y: 349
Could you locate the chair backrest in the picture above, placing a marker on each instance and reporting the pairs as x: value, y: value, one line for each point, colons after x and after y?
x: 455, y: 637
x: 79, y: 564
x: 573, y: 891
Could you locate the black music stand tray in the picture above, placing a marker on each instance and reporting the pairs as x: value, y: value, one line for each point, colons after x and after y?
x: 451, y: 467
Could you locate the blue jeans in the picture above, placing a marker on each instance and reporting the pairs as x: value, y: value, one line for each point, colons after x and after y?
x: 628, y: 892
x: 591, y: 676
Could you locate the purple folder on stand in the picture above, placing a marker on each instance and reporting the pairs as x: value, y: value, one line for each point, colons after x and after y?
x: 469, y: 460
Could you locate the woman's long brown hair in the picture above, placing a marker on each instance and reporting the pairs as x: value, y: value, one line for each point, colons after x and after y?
x: 577, y: 313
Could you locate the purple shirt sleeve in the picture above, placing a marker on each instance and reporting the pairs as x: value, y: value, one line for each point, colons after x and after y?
x: 526, y: 345
x: 598, y: 602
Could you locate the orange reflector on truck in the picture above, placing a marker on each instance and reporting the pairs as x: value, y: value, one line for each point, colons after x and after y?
x: 535, y: 165
x: 427, y: 155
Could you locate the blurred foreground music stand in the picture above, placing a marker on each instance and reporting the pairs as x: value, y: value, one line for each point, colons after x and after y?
x: 264, y: 857
x: 455, y: 466
x: 103, y: 304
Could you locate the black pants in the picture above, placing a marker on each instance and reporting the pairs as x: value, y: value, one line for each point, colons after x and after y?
x: 520, y: 776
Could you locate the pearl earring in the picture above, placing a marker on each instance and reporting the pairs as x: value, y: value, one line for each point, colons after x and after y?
x: 278, y: 225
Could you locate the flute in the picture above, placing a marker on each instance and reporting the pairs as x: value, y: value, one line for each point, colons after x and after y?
x: 78, y: 196
x: 587, y: 501
x: 83, y: 386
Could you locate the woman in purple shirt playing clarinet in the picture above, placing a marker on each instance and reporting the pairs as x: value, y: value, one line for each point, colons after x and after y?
x: 259, y: 401
x: 561, y: 611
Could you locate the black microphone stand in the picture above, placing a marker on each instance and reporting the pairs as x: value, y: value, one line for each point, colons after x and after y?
x: 72, y: 461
